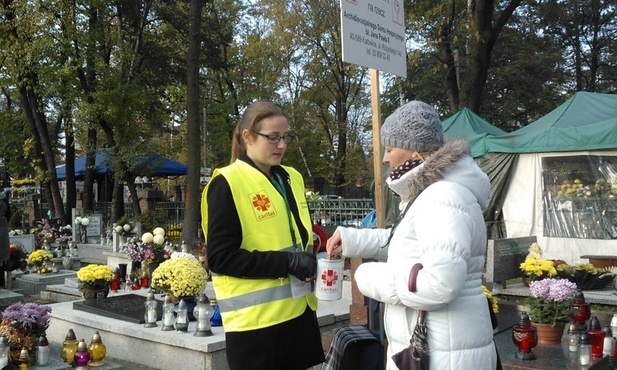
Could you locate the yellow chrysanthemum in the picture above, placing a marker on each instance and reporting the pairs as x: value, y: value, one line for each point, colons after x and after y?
x: 183, y: 276
x: 95, y: 275
x: 493, y: 300
x: 39, y: 256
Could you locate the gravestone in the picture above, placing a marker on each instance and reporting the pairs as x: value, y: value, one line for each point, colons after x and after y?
x: 25, y: 241
x: 94, y: 230
x: 128, y: 307
x: 503, y: 259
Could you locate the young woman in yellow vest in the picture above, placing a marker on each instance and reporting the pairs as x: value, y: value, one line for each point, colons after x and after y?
x: 259, y: 236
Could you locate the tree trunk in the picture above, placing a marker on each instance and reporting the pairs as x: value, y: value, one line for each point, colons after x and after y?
x: 38, y: 124
x: 192, y: 200
x: 485, y: 32
x: 89, y: 176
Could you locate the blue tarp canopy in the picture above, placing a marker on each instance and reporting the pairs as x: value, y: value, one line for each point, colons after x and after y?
x: 152, y: 165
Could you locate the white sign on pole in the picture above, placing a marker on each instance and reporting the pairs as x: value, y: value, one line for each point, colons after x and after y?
x: 373, y: 34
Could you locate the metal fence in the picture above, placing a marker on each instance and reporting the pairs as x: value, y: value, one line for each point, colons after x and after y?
x: 340, y: 212
x: 326, y: 212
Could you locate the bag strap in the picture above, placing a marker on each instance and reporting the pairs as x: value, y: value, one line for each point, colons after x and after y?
x: 413, y: 275
x: 412, y: 285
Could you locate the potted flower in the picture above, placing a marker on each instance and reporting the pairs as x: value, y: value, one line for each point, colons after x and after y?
x: 181, y: 277
x: 38, y: 260
x: 94, y: 281
x: 549, y: 306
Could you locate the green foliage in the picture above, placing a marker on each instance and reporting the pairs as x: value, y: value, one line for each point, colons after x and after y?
x: 17, y: 216
x: 549, y: 312
x: 151, y: 219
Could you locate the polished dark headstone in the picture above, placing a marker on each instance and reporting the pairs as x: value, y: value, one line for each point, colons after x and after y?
x: 128, y: 307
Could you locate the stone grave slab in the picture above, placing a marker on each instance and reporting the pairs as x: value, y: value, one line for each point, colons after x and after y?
x: 503, y: 259
x: 8, y: 297
x: 128, y: 307
x: 34, y: 283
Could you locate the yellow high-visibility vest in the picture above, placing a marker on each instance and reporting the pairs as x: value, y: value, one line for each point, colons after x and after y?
x: 248, y: 304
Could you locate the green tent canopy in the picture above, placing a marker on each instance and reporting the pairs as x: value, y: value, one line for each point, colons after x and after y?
x: 466, y: 124
x: 586, y: 121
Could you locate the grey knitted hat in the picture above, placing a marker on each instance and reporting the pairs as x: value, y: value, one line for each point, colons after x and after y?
x: 414, y: 126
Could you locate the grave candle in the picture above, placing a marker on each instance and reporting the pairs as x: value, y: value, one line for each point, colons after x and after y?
x: 168, y: 314
x: 4, y: 351
x: 150, y: 315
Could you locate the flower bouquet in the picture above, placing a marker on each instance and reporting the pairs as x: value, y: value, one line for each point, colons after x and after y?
x: 535, y: 267
x: 584, y: 275
x: 124, y: 227
x: 587, y: 277
x: 82, y: 223
x: 37, y: 260
x: 16, y: 232
x: 134, y: 250
x: 20, y: 322
x: 551, y: 300
x: 63, y: 234
x: 181, y: 277
x: 153, y: 246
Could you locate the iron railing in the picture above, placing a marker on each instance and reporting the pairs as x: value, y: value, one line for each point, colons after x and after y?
x: 326, y: 212
x: 340, y: 212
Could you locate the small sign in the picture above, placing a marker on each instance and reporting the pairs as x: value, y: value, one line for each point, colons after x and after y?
x: 373, y: 34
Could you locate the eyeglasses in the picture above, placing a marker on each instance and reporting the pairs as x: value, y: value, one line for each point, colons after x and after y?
x: 275, y: 139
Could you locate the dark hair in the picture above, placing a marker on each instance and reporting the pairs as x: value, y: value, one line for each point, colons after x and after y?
x: 252, y: 116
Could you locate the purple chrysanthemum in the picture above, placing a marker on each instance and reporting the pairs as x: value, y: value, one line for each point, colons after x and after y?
x: 32, y: 316
x: 553, y: 290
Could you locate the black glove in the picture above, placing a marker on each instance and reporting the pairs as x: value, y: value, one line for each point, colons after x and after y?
x: 302, y: 264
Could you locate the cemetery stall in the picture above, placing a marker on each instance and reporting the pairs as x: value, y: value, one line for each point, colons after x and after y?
x: 555, y: 179
x: 563, y: 185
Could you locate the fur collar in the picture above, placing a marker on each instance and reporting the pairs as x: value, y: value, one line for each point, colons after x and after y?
x: 434, y: 167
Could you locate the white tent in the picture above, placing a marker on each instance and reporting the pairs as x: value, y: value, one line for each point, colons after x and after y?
x: 554, y: 192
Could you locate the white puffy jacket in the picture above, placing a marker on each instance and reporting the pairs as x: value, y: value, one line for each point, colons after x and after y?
x: 444, y: 230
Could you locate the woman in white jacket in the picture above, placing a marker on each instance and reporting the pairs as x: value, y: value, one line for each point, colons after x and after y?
x: 443, y: 229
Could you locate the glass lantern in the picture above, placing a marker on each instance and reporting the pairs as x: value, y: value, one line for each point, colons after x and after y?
x: 168, y: 314
x: 203, y: 311
x: 81, y: 356
x: 4, y: 351
x: 69, y: 347
x: 42, y: 351
x: 150, y: 314
x: 182, y: 317
x: 97, y: 350
x: 581, y: 312
x: 525, y: 337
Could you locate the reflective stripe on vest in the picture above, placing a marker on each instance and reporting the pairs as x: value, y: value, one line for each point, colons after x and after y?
x: 255, y: 298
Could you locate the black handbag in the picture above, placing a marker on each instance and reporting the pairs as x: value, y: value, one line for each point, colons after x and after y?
x: 416, y: 355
